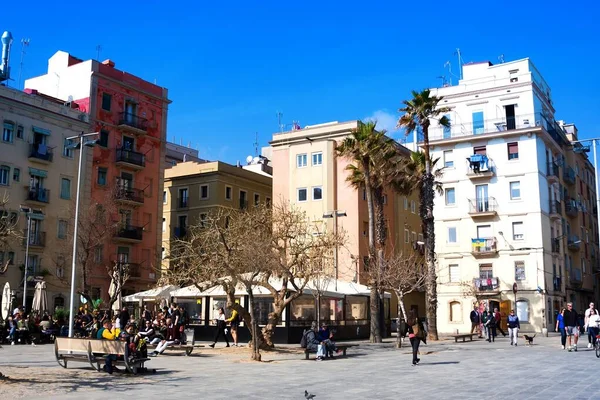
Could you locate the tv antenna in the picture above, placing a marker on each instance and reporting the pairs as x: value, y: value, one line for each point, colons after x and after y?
x: 449, y: 65
x: 279, y: 116
x: 256, y: 144
x: 444, y: 80
x: 98, y: 51
x: 501, y: 58
x: 24, y: 45
x: 460, y: 60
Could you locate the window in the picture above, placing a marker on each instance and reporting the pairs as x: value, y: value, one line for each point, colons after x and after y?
x: 183, y: 198
x: 98, y: 250
x: 317, y: 158
x: 405, y: 203
x: 364, y: 194
x: 103, y: 141
x: 447, y: 129
x: 164, y: 225
x: 485, y: 271
x: 454, y: 273
x: 65, y: 188
x: 414, y: 237
x: 8, y: 132
x: 406, y: 236
x: 20, y: 132
x: 519, y: 270
x: 59, y: 302
x: 455, y: 311
x: 102, y: 176
x: 228, y: 192
x: 448, y: 159
x: 164, y: 197
x: 478, y: 122
x: 302, y: 194
x: 106, y: 100
x: 301, y: 160
x: 62, y: 228
x: 256, y: 199
x: 16, y: 174
x: 68, y: 150
x: 452, y: 234
x: 317, y: 193
x: 4, y: 175
x: 243, y: 199
x: 11, y: 258
x: 513, y: 151
x: 203, y: 192
x: 450, y: 197
x: 518, y: 231
x: 481, y: 150
x: 413, y: 207
x: 365, y: 229
x: 385, y: 199
x: 515, y: 190
x: 523, y: 310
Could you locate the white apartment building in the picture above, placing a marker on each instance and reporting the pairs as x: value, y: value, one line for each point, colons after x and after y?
x: 503, y: 237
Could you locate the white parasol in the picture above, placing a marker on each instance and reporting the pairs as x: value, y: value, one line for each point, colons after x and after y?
x: 40, y: 299
x: 6, y: 300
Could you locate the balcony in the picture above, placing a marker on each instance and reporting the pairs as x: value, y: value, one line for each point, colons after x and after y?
x: 40, y: 153
x: 555, y: 209
x: 552, y: 172
x: 129, y: 233
x: 133, y: 123
x: 569, y: 175
x: 179, y: 232
x: 486, y: 284
x: 133, y: 269
x: 125, y: 194
x: 557, y: 283
x: 130, y: 158
x: 38, y: 195
x: 479, y: 167
x: 555, y: 245
x: 36, y: 239
x: 571, y: 208
x: 483, y: 247
x: 483, y: 207
x: 573, y: 243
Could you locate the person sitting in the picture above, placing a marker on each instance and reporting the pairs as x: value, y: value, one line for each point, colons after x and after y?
x: 160, y: 332
x: 313, y: 344
x: 171, y: 338
x: 23, y: 334
x: 109, y: 333
x: 12, y: 330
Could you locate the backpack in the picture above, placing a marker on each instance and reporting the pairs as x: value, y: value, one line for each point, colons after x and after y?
x: 303, y: 341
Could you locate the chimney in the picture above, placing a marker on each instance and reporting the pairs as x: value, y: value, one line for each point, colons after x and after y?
x: 108, y: 62
x: 6, y: 40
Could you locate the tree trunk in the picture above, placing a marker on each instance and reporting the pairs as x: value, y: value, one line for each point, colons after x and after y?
x: 426, y: 211
x: 255, y: 356
x: 273, y: 320
x: 380, y: 232
x: 375, y: 336
x: 401, y: 314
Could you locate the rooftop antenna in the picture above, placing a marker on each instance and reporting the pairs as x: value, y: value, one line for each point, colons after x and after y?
x: 279, y: 115
x: 98, y: 51
x: 256, y: 144
x: 501, y: 58
x: 460, y: 61
x: 444, y: 80
x: 24, y: 44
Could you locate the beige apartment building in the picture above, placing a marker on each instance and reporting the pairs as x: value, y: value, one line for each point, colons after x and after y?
x: 193, y: 189
x: 39, y: 172
x: 307, y: 173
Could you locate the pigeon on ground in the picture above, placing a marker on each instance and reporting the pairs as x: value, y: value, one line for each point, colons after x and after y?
x: 308, y: 396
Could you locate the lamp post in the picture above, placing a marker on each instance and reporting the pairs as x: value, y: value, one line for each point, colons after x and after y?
x: 335, y: 214
x: 78, y: 145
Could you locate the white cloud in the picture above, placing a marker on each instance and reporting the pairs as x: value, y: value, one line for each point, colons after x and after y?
x: 385, y: 120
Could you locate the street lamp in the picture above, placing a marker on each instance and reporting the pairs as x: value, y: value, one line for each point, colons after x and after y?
x: 27, y: 211
x: 78, y: 145
x: 335, y: 214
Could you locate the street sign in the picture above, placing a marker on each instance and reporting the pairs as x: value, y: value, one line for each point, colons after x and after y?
x: 515, y: 288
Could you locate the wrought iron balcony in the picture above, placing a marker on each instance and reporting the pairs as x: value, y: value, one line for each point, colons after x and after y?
x: 133, y: 158
x: 569, y: 175
x: 133, y: 269
x: 483, y: 207
x: 571, y: 208
x: 126, y: 194
x: 486, y: 284
x: 573, y: 242
x: 38, y: 194
x: 484, y: 247
x: 130, y: 120
x: 555, y: 245
x: 479, y: 166
x: 36, y: 239
x: 40, y: 152
x: 555, y: 209
x: 552, y: 171
x: 129, y: 232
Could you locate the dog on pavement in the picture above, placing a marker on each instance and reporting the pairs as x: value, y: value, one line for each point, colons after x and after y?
x: 529, y: 339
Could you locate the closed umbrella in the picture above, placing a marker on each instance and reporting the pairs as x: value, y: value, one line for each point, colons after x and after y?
x: 111, y: 292
x: 40, y: 298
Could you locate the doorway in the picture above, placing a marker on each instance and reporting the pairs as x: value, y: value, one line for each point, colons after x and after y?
x: 510, y: 117
x: 481, y: 196
x: 128, y: 143
x: 504, y: 311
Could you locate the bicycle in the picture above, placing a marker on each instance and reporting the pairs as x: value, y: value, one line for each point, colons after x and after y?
x: 597, y: 346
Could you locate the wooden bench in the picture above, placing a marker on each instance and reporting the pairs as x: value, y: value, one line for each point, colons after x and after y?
x: 94, y: 351
x: 463, y: 336
x: 342, y: 347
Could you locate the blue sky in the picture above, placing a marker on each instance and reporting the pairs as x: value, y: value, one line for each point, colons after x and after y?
x: 230, y: 68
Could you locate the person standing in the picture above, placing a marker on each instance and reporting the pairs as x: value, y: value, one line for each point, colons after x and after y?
x: 475, y: 317
x: 560, y: 327
x: 593, y: 326
x: 220, y: 320
x: 234, y: 322
x: 571, y: 322
x: 513, y: 327
x: 591, y: 339
x: 498, y: 318
x: 491, y: 327
x: 416, y: 333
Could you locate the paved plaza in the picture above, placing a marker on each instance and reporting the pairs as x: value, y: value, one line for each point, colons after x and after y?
x: 451, y: 371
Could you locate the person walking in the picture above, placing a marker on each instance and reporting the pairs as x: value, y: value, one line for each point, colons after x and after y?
x: 591, y: 339
x: 416, y: 333
x: 491, y: 327
x: 475, y: 317
x: 234, y: 322
x: 593, y: 326
x: 513, y: 327
x: 220, y: 320
x: 498, y: 318
x: 560, y: 327
x: 571, y: 322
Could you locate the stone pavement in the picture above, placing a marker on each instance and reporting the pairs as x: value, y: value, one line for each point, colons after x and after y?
x: 476, y: 370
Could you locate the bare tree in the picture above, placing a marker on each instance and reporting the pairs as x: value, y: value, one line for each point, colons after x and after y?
x: 9, y: 231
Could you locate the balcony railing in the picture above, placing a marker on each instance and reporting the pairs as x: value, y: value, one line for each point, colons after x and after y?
x: 555, y: 245
x: 571, y: 208
x: 36, y: 239
x: 569, y: 175
x: 485, y: 205
x: 40, y: 152
x: 130, y: 232
x: 552, y: 171
x: 573, y: 242
x: 575, y: 275
x: 179, y: 232
x: 38, y: 194
x: 134, y: 121
x: 124, y: 192
x: 183, y: 202
x: 483, y: 246
x: 130, y: 157
x: 133, y: 269
x: 480, y: 166
x: 555, y: 207
x: 486, y: 284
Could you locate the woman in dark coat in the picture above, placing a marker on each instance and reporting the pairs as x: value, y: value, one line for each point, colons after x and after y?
x: 416, y: 333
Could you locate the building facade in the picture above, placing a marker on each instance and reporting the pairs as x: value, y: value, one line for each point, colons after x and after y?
x: 515, y: 228
x: 308, y: 174
x: 38, y: 172
x: 127, y: 168
x: 176, y: 153
x: 193, y: 190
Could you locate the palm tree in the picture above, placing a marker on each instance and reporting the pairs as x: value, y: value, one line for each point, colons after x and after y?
x: 363, y: 147
x: 418, y: 113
